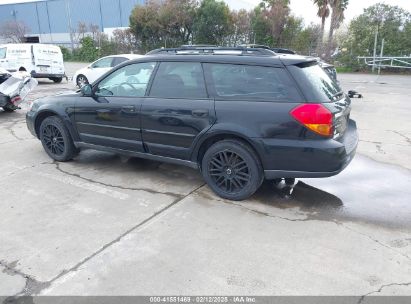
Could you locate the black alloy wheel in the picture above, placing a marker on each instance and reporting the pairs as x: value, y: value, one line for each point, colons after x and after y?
x: 53, y: 139
x: 229, y: 171
x: 56, y: 139
x: 232, y: 170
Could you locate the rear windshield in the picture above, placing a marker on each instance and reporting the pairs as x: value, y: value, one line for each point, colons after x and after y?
x: 315, y: 83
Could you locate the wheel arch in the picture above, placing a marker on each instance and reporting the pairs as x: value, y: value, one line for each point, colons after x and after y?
x: 40, y: 118
x: 214, y: 137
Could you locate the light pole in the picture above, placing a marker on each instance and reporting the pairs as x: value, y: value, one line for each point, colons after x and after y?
x: 375, y: 47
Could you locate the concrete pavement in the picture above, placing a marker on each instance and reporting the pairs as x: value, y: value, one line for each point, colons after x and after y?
x: 108, y: 225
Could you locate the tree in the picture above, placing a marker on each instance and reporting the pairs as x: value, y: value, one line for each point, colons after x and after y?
x: 177, y: 18
x: 277, y: 12
x: 145, y: 25
x: 242, y: 31
x: 272, y: 23
x: 212, y: 23
x: 87, y: 51
x: 337, y: 16
x: 307, y: 40
x: 14, y: 31
x: 261, y: 26
x: 323, y: 12
x: 166, y: 24
x: 124, y: 41
x: 393, y: 24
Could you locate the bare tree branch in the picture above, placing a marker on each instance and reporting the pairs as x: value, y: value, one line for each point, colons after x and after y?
x: 14, y: 31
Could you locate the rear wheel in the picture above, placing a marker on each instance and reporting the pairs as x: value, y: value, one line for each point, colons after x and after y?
x: 81, y: 80
x: 232, y: 170
x: 56, y: 139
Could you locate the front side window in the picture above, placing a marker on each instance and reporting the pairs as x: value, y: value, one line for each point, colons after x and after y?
x: 179, y: 80
x: 247, y: 82
x: 129, y: 81
x: 3, y: 52
x: 102, y: 63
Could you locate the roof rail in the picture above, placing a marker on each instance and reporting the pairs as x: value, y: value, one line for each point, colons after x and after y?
x: 213, y: 50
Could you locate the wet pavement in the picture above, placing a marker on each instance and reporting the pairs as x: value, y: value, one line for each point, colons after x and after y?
x: 103, y: 224
x: 367, y: 192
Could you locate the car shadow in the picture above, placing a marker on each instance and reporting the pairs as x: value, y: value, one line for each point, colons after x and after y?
x: 301, y: 195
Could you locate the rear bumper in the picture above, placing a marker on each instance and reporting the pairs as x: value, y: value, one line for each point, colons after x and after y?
x: 46, y: 75
x: 307, y: 158
x: 30, y: 118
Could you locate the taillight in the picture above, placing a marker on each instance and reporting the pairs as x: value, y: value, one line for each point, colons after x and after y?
x: 315, y: 117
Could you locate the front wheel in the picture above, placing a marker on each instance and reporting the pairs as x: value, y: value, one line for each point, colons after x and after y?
x: 56, y: 139
x: 232, y: 170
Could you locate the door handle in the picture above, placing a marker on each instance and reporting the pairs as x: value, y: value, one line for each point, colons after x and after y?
x: 128, y: 109
x: 199, y: 113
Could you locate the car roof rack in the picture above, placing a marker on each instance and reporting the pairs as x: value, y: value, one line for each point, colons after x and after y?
x: 213, y: 50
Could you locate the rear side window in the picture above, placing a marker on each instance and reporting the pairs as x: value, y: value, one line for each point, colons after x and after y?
x: 179, y: 80
x: 316, y: 84
x: 246, y: 82
x: 102, y: 63
x: 118, y: 60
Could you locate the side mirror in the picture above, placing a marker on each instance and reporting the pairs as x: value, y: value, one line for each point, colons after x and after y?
x: 87, y: 90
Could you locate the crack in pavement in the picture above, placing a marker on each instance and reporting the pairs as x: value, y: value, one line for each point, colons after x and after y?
x: 378, y: 242
x: 315, y: 219
x: 407, y: 139
x: 380, y: 289
x: 257, y: 211
x: 18, y: 170
x: 30, y: 281
x: 268, y: 214
x: 176, y: 195
x: 372, y: 142
x: 35, y: 287
x: 10, y: 129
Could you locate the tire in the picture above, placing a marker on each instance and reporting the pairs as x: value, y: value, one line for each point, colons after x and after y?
x: 57, y: 79
x: 232, y: 170
x: 81, y: 80
x: 56, y: 139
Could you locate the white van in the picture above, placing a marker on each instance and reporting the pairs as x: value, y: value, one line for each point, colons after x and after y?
x: 40, y: 60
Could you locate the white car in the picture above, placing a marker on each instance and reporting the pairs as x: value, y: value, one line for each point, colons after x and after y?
x: 93, y: 71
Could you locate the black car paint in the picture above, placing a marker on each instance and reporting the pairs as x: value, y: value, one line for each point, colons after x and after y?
x: 174, y: 130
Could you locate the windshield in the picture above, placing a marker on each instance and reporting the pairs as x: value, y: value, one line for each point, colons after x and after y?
x: 316, y: 83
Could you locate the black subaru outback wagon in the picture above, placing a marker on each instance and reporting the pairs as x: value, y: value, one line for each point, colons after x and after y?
x: 238, y: 114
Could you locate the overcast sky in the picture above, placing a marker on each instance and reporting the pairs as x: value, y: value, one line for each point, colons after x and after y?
x: 301, y: 8
x: 307, y: 10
